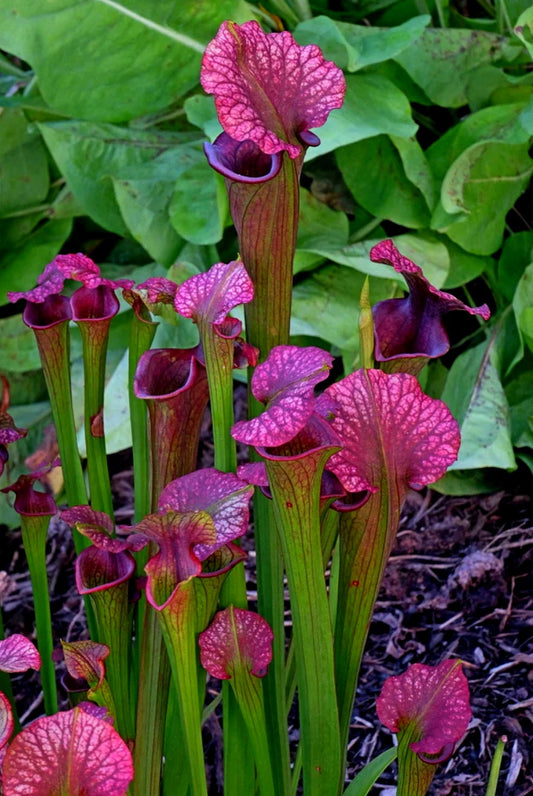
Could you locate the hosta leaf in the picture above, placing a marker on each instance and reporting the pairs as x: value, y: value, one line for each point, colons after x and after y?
x: 91, y: 155
x: 124, y: 59
x: 353, y: 47
x: 477, y: 192
x: 386, y: 191
x: 474, y: 393
x: 362, y: 117
x: 442, y: 60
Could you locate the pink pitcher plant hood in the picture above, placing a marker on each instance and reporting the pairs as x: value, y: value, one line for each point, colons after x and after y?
x: 75, y: 752
x: 17, y: 654
x: 108, y: 562
x: 208, y: 297
x: 432, y: 700
x: 67, y: 266
x: 200, y: 514
x: 385, y: 420
x: 412, y: 327
x: 285, y: 383
x: 85, y: 661
x: 28, y: 500
x: 236, y: 638
x: 268, y: 89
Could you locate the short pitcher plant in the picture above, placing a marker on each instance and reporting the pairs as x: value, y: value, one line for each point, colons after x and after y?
x: 173, y: 634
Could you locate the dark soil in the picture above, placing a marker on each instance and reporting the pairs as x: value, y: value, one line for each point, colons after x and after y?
x: 458, y: 584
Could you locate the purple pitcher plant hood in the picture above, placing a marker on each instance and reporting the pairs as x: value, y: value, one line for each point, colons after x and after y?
x: 67, y: 266
x: 268, y: 89
x: 199, y: 514
x: 208, y: 297
x: 285, y: 383
x: 410, y: 330
x: 432, y: 700
x: 108, y: 562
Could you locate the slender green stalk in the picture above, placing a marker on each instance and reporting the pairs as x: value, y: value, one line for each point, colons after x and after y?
x: 295, y: 485
x: 113, y: 617
x: 34, y: 531
x: 141, y: 336
x: 218, y: 353
x: 496, y: 764
x: 53, y: 344
x: 271, y: 606
x: 94, y: 340
x: 414, y: 776
x: 178, y: 622
x: 154, y: 678
x: 366, y: 537
x: 249, y: 694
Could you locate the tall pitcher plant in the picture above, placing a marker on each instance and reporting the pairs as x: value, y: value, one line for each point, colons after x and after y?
x: 331, y: 464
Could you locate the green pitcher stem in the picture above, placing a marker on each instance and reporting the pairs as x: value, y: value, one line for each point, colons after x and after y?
x: 295, y: 486
x: 249, y: 695
x: 53, y: 344
x: 414, y: 776
x: 141, y: 337
x: 366, y: 537
x: 34, y: 531
x: 113, y: 615
x: 267, y: 239
x: 154, y: 681
x: 178, y: 624
x: 94, y: 335
x: 271, y: 606
x: 218, y: 354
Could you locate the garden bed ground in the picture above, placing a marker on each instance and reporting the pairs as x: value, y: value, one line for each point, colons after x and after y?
x: 458, y: 584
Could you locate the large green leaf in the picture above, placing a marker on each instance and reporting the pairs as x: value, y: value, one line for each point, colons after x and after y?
x: 478, y: 190
x: 199, y: 205
x: 20, y: 267
x: 24, y: 171
x: 523, y: 306
x: 145, y: 192
x: 505, y: 123
x: 90, y: 155
x: 386, y: 190
x: 353, y: 47
x: 524, y: 28
x: 113, y: 61
x: 319, y: 227
x: 517, y: 254
x: 372, y: 105
x: 476, y: 398
x: 442, y: 60
x: 326, y: 304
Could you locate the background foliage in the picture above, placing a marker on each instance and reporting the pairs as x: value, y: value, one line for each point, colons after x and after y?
x: 102, y: 122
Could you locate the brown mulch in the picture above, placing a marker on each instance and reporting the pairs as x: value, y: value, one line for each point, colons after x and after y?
x: 458, y: 584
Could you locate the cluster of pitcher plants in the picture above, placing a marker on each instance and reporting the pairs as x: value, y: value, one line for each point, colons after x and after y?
x: 330, y: 465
